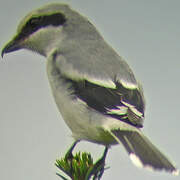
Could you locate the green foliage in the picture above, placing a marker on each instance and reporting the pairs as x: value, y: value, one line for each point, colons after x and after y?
x: 80, y: 167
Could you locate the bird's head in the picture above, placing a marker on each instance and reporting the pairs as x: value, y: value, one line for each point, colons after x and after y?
x: 41, y: 29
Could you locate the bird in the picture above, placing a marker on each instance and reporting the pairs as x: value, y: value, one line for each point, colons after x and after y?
x: 94, y: 88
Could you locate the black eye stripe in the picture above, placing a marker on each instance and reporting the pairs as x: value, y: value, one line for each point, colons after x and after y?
x: 36, y: 23
x: 35, y: 20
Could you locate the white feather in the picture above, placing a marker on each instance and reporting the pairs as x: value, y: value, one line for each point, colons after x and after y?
x: 120, y: 111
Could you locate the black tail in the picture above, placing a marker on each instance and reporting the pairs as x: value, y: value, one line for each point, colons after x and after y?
x: 142, y: 152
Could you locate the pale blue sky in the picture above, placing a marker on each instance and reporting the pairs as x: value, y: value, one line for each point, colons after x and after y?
x: 32, y: 132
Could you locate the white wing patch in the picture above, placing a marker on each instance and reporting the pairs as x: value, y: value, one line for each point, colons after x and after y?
x: 102, y: 82
x: 128, y: 85
x: 133, y: 109
x: 122, y: 110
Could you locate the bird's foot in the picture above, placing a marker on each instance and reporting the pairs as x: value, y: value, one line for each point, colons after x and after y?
x: 98, y: 168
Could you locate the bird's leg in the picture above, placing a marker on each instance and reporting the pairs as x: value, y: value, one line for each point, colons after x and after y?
x: 69, y: 157
x: 69, y: 154
x: 98, y: 167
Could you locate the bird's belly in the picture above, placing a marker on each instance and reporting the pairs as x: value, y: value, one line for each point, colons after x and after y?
x: 84, y: 122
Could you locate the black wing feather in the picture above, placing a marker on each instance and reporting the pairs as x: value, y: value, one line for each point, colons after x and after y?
x: 103, y: 99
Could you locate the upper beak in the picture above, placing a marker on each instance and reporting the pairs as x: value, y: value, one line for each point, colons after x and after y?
x: 11, y: 46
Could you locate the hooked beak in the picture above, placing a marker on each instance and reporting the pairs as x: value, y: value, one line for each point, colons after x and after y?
x: 11, y: 46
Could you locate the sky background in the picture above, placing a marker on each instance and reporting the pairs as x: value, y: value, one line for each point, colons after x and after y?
x: 32, y: 132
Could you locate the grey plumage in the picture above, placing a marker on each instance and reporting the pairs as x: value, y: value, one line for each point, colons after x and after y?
x: 137, y: 144
x: 94, y: 88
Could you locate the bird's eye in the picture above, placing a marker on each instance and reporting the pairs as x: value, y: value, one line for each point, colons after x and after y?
x: 34, y: 21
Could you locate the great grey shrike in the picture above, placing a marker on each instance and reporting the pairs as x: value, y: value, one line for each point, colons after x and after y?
x: 95, y: 90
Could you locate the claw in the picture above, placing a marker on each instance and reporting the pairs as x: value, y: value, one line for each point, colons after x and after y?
x: 98, y: 168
